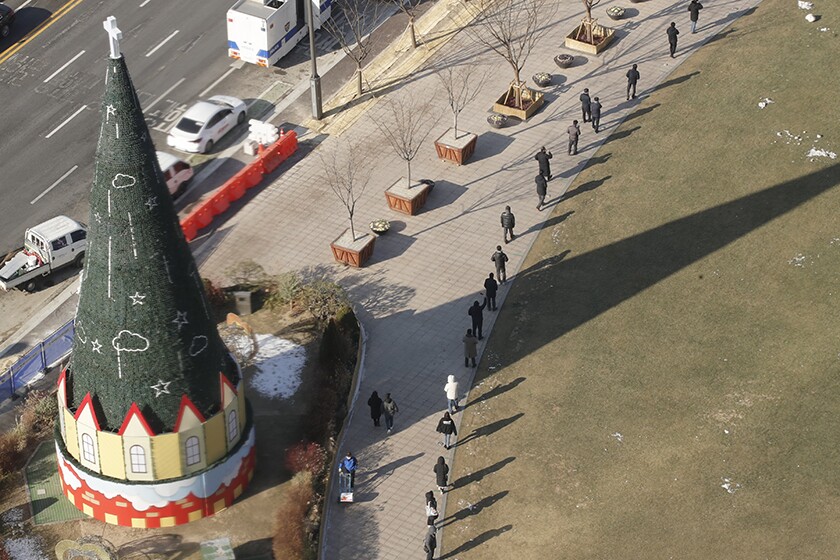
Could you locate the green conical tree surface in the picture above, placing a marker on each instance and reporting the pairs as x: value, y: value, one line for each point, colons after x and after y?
x: 144, y: 329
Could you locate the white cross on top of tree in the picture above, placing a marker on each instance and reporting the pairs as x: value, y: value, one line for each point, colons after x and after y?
x: 114, y: 34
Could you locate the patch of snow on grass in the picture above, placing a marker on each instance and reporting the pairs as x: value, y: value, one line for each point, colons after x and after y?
x: 24, y: 548
x: 815, y: 153
x: 798, y: 260
x: 14, y: 515
x: 805, y: 5
x: 765, y: 102
x: 824, y: 29
x: 730, y: 486
x: 278, y: 364
x: 810, y: 18
x: 618, y: 437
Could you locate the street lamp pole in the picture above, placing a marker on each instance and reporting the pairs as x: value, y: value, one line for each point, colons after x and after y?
x: 315, y: 79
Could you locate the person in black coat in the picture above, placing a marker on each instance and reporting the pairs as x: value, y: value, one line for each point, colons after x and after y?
x: 430, y: 542
x: 632, y: 79
x: 584, y: 105
x: 490, y: 288
x: 446, y: 426
x: 508, y: 223
x: 431, y: 508
x: 545, y: 168
x: 375, y: 404
x: 574, y: 135
x: 672, y: 38
x: 542, y: 190
x: 476, y: 312
x: 694, y: 8
x: 596, y: 114
x: 500, y: 258
x: 442, y: 474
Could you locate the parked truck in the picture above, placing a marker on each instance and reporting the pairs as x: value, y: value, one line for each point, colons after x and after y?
x: 47, y: 247
x: 263, y: 31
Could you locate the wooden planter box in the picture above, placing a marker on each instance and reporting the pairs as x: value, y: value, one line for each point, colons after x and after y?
x: 353, y: 253
x: 523, y: 114
x: 457, y: 150
x: 408, y: 200
x: 604, y: 33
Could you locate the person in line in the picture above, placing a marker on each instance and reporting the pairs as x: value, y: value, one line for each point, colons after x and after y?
x: 389, y: 409
x: 490, y: 288
x: 442, y: 475
x: 584, y: 105
x: 476, y: 312
x: 595, y: 108
x: 451, y: 390
x: 375, y: 404
x: 574, y: 134
x: 672, y: 38
x: 431, y: 508
x: 542, y: 190
x: 446, y: 426
x: 499, y: 258
x: 632, y: 79
x: 470, y: 348
x: 694, y: 8
x: 430, y: 543
x: 545, y: 167
x: 508, y: 223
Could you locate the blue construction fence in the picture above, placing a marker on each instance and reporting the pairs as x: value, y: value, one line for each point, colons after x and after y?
x: 47, y: 353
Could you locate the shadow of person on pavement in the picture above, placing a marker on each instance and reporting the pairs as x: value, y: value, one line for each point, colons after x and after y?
x: 477, y: 541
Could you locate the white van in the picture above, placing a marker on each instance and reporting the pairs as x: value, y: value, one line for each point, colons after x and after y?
x: 176, y: 172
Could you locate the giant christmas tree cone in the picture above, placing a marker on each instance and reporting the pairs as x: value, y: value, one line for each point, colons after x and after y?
x: 155, y: 428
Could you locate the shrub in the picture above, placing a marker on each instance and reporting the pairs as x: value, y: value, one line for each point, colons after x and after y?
x: 11, y: 452
x: 248, y: 274
x: 305, y: 456
x: 291, y: 534
x: 217, y: 296
x: 323, y: 299
x: 286, y: 290
x: 37, y: 416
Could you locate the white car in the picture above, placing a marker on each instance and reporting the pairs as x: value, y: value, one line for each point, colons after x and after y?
x: 205, y: 123
x: 176, y: 172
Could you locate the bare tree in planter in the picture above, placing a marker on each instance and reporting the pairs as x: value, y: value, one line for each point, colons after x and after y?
x: 406, y: 125
x: 346, y: 170
x: 462, y: 85
x: 409, y: 8
x: 511, y: 29
x: 355, y: 40
x: 585, y: 33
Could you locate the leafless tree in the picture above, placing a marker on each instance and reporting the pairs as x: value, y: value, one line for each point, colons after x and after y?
x: 347, y: 172
x: 355, y: 40
x: 409, y: 8
x: 585, y: 32
x: 406, y: 125
x: 461, y: 84
x: 511, y: 29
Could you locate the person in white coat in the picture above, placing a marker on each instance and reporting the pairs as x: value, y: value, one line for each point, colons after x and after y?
x: 451, y: 389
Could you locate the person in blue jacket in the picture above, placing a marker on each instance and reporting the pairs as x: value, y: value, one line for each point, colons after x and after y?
x: 348, y: 465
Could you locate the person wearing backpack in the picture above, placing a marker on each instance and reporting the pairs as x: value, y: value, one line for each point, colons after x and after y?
x: 389, y: 409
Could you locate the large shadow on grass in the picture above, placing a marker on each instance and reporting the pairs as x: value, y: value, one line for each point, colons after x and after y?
x: 617, y: 272
x: 478, y: 541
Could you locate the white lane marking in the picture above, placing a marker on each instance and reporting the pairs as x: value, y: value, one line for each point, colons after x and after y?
x: 214, y: 84
x: 51, y: 187
x: 69, y: 62
x: 145, y: 2
x: 151, y: 52
x: 162, y: 95
x: 70, y: 118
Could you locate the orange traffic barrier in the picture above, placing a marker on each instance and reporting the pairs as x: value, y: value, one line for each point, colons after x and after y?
x: 268, y: 159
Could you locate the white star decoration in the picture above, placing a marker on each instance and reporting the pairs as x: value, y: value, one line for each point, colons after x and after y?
x: 180, y: 319
x: 110, y: 110
x: 161, y: 388
x: 97, y: 217
x: 137, y: 299
x: 96, y: 346
x: 152, y: 202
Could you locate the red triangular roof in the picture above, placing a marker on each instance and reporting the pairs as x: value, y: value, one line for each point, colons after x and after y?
x: 135, y: 411
x: 88, y: 402
x: 187, y: 403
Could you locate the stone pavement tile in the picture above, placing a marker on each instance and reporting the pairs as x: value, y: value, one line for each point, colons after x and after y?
x: 413, y: 296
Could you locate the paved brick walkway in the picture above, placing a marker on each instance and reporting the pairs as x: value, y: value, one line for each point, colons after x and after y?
x: 413, y: 297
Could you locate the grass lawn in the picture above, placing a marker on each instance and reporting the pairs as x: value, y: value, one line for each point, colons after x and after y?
x: 663, y: 379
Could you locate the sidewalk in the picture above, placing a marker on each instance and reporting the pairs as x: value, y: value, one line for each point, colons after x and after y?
x: 413, y: 297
